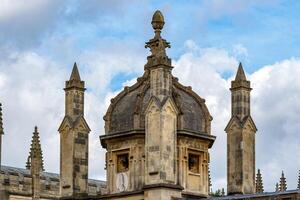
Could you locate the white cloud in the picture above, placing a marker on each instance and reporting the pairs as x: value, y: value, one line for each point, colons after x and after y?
x: 239, y: 50
x: 11, y: 8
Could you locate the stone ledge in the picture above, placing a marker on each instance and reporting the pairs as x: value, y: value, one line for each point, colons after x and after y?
x: 163, y: 185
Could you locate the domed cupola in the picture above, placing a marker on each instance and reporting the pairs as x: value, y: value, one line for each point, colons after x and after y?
x: 127, y: 110
x: 157, y: 133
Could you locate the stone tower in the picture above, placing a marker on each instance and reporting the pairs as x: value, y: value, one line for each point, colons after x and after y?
x: 1, y: 133
x: 35, y: 164
x: 157, y: 133
x: 240, y: 131
x: 74, y: 138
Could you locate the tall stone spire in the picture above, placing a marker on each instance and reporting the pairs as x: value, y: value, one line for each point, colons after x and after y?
x: 240, y: 131
x: 1, y: 133
x: 75, y: 73
x: 75, y: 80
x: 259, y: 182
x: 299, y: 181
x: 240, y: 75
x: 35, y: 163
x: 282, y: 185
x: 74, y: 137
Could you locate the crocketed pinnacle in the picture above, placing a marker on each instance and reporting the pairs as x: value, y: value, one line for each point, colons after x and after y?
x: 75, y: 80
x: 157, y: 44
x: 28, y: 163
x: 277, y: 187
x: 1, y: 120
x: 259, y: 183
x: 209, y: 180
x: 240, y: 75
x: 282, y: 185
x: 299, y: 181
x: 35, y: 151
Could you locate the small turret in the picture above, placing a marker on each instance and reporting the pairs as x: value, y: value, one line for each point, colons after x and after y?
x: 282, y: 185
x: 259, y: 183
x: 240, y: 131
x: 74, y: 137
x: 35, y: 163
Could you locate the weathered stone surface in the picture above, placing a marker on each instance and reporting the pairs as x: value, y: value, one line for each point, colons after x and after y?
x: 158, y: 123
x: 74, y: 140
x: 240, y: 139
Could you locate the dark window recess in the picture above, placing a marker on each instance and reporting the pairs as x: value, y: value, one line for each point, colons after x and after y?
x: 6, y: 181
x: 48, y: 187
x: 194, y: 163
x: 123, y: 162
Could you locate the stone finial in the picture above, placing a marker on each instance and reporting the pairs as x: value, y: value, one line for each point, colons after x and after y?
x: 282, y: 185
x: 1, y: 120
x: 259, y: 183
x: 158, y: 22
x: 277, y: 187
x: 157, y: 44
x: 299, y: 181
x: 35, y: 150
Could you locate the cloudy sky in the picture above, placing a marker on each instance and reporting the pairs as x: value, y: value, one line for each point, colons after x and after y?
x: 41, y: 39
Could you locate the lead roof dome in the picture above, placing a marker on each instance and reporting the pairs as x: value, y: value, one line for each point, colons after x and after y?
x: 126, y: 112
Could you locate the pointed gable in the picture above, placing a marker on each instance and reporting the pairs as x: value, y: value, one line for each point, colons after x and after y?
x: 153, y: 105
x: 81, y: 124
x: 235, y: 121
x: 65, y: 124
x: 168, y: 104
x: 69, y: 123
